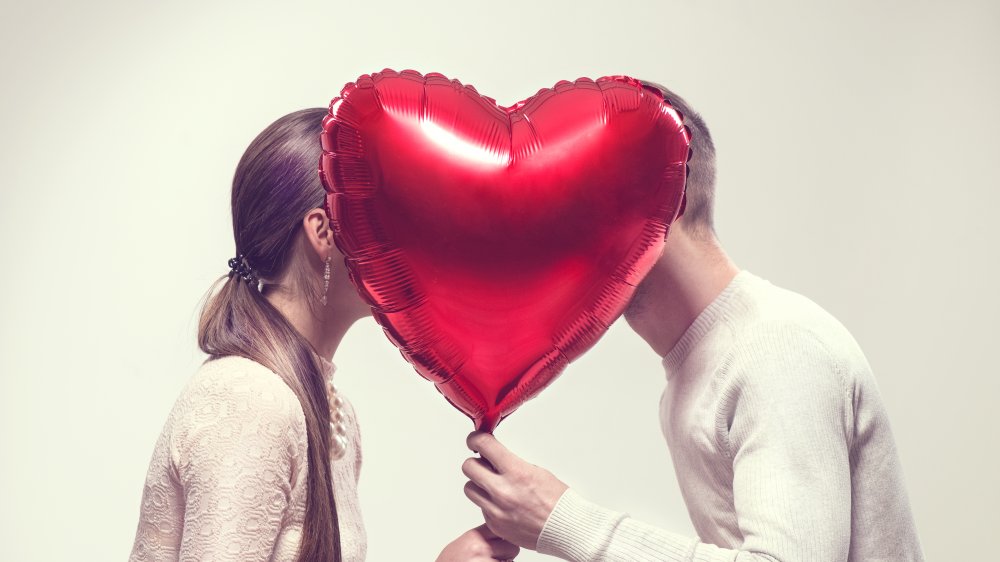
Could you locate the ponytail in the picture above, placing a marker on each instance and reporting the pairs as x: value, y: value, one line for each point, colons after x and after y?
x: 275, y: 185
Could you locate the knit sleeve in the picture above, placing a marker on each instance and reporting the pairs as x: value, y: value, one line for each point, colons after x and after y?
x: 786, y: 417
x: 582, y: 531
x: 783, y: 418
x: 237, y: 460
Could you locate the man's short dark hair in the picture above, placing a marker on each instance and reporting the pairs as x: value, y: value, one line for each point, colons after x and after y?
x: 698, y: 213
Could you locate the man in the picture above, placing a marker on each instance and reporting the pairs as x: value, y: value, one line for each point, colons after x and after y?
x: 779, y: 438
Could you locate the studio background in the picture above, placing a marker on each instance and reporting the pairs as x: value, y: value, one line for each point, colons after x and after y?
x: 857, y: 165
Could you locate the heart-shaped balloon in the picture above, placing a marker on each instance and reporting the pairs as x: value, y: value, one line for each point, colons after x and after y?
x: 497, y: 244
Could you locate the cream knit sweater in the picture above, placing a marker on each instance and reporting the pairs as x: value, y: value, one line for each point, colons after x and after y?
x: 780, y: 443
x: 228, y: 476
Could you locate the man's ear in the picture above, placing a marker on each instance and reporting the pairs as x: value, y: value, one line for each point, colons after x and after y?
x: 684, y: 203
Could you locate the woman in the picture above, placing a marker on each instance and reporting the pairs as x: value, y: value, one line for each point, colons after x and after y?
x: 259, y: 458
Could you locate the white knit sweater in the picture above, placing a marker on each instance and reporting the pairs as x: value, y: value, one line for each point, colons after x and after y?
x: 780, y: 443
x: 227, y: 480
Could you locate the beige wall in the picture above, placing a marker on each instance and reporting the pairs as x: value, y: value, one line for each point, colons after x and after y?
x: 858, y: 165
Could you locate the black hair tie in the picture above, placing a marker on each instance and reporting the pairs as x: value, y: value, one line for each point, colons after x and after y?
x: 240, y: 267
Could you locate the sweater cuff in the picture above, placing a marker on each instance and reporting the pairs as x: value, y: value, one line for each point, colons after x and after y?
x: 577, y: 530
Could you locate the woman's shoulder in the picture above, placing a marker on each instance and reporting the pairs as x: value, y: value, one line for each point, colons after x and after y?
x: 236, y: 428
x: 235, y: 366
x: 233, y: 379
x: 237, y: 395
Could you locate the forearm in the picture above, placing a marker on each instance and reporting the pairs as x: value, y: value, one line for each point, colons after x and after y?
x: 581, y: 531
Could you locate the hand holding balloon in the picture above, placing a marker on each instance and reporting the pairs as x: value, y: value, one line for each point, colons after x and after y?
x: 516, y: 497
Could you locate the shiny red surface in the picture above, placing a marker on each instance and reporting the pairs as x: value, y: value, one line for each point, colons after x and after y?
x: 497, y: 244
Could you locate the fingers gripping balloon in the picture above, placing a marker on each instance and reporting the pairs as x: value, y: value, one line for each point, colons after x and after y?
x: 497, y: 244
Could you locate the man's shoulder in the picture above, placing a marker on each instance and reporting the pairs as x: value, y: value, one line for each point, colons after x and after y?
x: 776, y: 312
x: 770, y: 305
x: 781, y: 327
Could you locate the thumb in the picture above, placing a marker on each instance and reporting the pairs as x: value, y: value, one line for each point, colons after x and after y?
x: 485, y: 532
x: 492, y: 450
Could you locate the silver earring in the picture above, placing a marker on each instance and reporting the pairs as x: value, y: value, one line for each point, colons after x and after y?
x: 326, y: 280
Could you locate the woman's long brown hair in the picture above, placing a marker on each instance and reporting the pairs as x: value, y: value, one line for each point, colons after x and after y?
x: 275, y: 185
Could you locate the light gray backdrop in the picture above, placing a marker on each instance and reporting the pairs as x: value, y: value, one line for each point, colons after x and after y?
x: 858, y: 165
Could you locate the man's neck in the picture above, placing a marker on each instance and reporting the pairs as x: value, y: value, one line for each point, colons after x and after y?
x: 689, y: 275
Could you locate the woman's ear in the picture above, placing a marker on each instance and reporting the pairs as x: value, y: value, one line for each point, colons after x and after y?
x: 319, y: 232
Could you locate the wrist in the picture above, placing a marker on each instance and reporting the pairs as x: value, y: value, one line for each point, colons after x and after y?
x: 577, y: 529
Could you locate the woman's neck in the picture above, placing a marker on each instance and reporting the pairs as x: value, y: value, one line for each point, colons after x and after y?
x: 324, y: 334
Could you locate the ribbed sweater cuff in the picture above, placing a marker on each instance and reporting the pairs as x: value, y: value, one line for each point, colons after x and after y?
x: 581, y: 531
x: 577, y: 529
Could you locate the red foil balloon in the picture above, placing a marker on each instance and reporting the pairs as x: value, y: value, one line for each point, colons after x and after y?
x: 497, y: 244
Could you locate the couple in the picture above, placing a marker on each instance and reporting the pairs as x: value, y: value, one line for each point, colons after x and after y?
x: 779, y: 438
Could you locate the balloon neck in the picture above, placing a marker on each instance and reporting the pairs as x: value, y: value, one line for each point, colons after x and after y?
x: 487, y: 424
